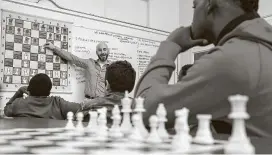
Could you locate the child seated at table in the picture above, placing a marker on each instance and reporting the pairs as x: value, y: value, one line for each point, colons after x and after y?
x: 39, y: 104
x: 120, y: 77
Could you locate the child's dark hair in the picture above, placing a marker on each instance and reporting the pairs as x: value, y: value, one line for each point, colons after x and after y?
x: 121, y: 76
x: 40, y: 85
x: 250, y: 5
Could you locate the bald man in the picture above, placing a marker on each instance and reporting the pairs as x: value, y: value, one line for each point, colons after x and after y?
x: 95, y: 69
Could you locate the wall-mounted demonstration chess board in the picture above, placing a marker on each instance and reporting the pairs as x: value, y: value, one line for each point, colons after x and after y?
x: 23, y: 55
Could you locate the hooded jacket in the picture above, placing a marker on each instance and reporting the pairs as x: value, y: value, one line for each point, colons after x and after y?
x: 240, y: 63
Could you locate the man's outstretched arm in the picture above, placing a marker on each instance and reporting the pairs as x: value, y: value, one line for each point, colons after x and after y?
x: 68, y: 56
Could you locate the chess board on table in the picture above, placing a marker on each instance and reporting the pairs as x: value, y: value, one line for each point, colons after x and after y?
x: 23, y: 55
x: 60, y: 141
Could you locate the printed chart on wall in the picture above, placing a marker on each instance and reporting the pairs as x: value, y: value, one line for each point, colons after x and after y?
x: 23, y: 55
x: 137, y: 51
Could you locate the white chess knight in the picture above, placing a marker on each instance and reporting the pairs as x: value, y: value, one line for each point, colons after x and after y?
x: 182, y: 140
x: 139, y: 109
x: 238, y: 142
x: 161, y: 113
x: 204, y: 134
x: 126, y: 110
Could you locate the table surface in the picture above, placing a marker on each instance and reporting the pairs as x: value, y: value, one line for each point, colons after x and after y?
x: 262, y: 145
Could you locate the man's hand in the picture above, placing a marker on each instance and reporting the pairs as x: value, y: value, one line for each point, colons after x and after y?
x: 182, y: 37
x: 23, y: 90
x: 49, y: 46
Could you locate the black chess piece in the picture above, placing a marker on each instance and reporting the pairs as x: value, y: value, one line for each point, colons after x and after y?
x: 27, y: 32
x: 18, y: 31
x: 35, y: 26
x: 50, y: 36
x: 57, y: 29
x: 57, y: 37
x: 50, y: 28
x: 64, y: 38
x: 10, y: 21
x: 43, y: 27
x: 57, y: 59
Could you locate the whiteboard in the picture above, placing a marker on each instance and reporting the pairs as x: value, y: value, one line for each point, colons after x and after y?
x: 136, y: 44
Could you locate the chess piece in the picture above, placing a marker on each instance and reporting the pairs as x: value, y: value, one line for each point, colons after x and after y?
x: 24, y: 80
x: 64, y: 38
x: 79, y: 125
x: 57, y: 30
x: 50, y: 36
x: 7, y: 79
x: 136, y: 135
x: 238, y: 142
x: 92, y: 126
x: 70, y: 124
x: 139, y: 109
x: 18, y: 31
x: 43, y: 28
x: 25, y: 65
x: 204, y: 134
x: 27, y: 32
x: 161, y: 113
x: 26, y: 40
x: 50, y: 29
x: 126, y: 110
x: 10, y: 21
x: 153, y: 137
x: 102, y: 133
x: 115, y: 131
x: 57, y: 37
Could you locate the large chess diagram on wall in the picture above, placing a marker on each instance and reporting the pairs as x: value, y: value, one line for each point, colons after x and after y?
x: 23, y: 55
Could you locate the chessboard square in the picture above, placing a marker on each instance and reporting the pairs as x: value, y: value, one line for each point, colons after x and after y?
x: 35, y: 26
x: 19, y: 23
x: 56, y: 59
x: 26, y: 40
x: 64, y: 45
x: 27, y: 32
x: 34, y: 64
x: 27, y: 25
x: 19, y: 31
x: 25, y: 72
x: 43, y: 27
x: 42, y: 42
x: 63, y: 82
x: 33, y: 72
x: 42, y: 57
x: 64, y: 38
x: 58, y: 37
x: 63, y: 75
x: 63, y: 67
x: 35, y: 41
x: 17, y: 71
x: 9, y: 38
x: 17, y: 63
x: 41, y: 71
x: 25, y: 56
x: 18, y: 47
x: 34, y: 33
x: 57, y: 29
x: 9, y: 54
x: 49, y: 58
x: 33, y: 57
x: 49, y: 73
x: 56, y: 66
x: 34, y: 49
x: 42, y: 35
x: 56, y: 82
x: 16, y: 79
x: 26, y: 48
x: 18, y: 39
x: 50, y: 36
x: 8, y: 79
x: 50, y: 28
x: 49, y: 52
x: 25, y: 79
x: 57, y: 44
x: 10, y: 21
x: 41, y: 65
x: 49, y: 66
x: 9, y: 46
x: 10, y: 30
x: 8, y: 62
x: 17, y: 55
x: 8, y: 70
x: 64, y: 31
x: 25, y: 63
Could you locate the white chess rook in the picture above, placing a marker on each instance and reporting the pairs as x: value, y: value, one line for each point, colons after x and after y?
x: 139, y: 109
x: 161, y: 113
x: 126, y: 110
x: 204, y: 134
x: 239, y: 143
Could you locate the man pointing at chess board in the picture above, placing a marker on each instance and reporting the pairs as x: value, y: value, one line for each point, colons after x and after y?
x: 240, y: 63
x: 95, y: 69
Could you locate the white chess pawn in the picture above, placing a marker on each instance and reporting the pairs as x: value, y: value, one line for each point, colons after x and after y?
x: 136, y: 134
x: 238, y: 142
x: 161, y: 113
x: 126, y: 123
x: 92, y: 126
x: 204, y: 134
x: 102, y: 132
x: 79, y: 125
x: 115, y: 131
x: 70, y: 124
x: 139, y: 109
x: 153, y: 137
